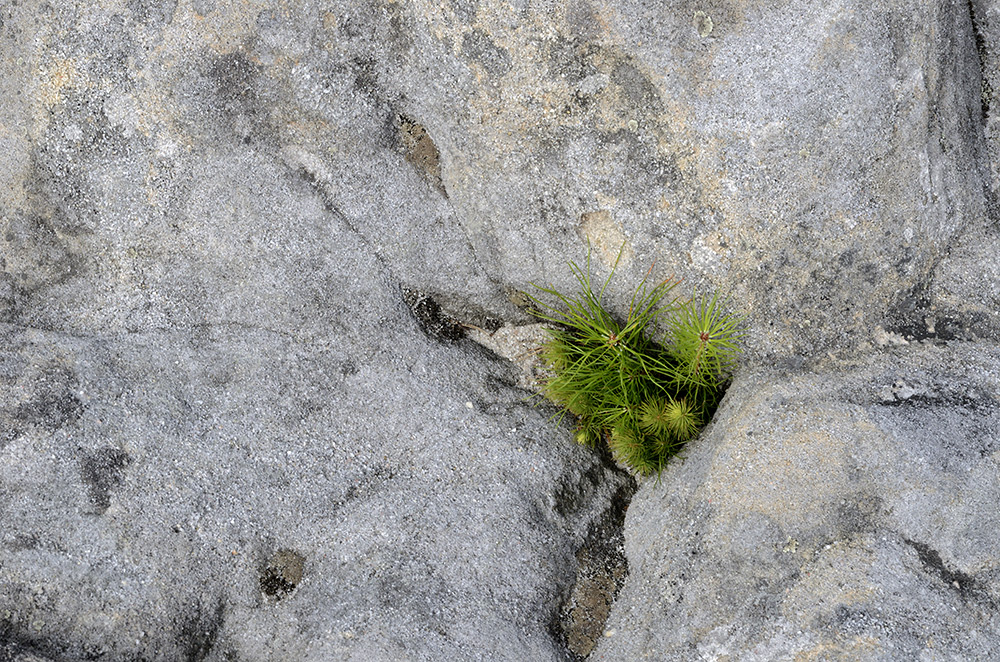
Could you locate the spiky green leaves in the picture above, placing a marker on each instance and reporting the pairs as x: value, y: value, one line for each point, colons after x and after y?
x: 705, y: 341
x: 669, y: 417
x: 644, y: 400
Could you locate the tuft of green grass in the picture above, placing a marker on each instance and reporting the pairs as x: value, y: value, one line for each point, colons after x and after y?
x: 644, y: 399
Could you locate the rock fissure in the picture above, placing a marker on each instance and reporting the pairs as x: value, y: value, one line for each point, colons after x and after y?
x: 314, y: 475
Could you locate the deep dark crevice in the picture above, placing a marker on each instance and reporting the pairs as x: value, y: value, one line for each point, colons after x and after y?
x: 431, y: 319
x: 981, y: 50
x: 602, y: 568
x: 969, y: 326
x: 934, y: 564
x: 978, y: 16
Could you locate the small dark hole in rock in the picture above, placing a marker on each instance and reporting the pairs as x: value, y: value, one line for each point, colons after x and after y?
x: 431, y: 319
x: 282, y: 574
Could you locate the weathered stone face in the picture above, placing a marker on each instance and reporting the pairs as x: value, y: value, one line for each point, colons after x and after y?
x: 842, y: 514
x: 822, y: 165
x: 240, y: 243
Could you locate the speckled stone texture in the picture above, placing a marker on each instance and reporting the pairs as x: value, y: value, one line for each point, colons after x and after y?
x: 244, y: 245
x: 847, y: 513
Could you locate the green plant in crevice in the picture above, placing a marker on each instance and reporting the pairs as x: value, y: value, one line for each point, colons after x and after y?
x: 643, y: 398
x: 705, y: 341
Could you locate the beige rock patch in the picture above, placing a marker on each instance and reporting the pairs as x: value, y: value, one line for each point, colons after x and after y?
x: 60, y: 74
x: 606, y: 238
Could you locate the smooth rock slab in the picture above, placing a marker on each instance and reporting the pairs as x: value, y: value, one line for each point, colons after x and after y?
x: 233, y: 493
x: 843, y: 514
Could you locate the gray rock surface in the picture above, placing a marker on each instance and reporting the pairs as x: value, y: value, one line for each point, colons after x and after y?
x: 230, y: 426
x: 844, y: 514
x: 230, y: 492
x: 239, y: 242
